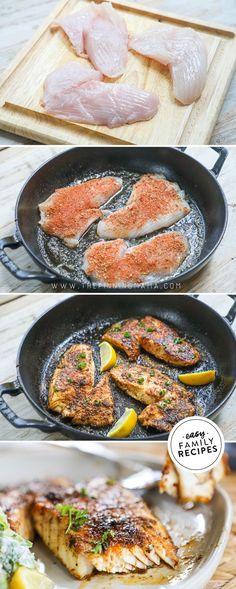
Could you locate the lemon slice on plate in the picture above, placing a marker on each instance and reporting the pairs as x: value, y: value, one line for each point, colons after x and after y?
x: 25, y: 578
x: 198, y: 378
x: 125, y: 425
x: 107, y: 355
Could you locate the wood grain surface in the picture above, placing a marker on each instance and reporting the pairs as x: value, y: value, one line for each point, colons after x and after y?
x: 17, y: 313
x: 184, y: 9
x: 16, y: 165
x: 225, y: 575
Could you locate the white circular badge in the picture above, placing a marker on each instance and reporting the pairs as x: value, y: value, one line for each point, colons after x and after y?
x: 196, y: 444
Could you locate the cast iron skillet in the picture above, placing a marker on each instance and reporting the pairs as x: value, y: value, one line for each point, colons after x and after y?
x: 84, y: 317
x: 58, y: 263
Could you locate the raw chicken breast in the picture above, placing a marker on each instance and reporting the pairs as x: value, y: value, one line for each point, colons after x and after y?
x: 74, y: 26
x: 98, y: 103
x: 106, y: 41
x: 183, y: 50
x: 112, y: 264
x: 63, y: 82
x: 154, y: 203
x: 99, y: 32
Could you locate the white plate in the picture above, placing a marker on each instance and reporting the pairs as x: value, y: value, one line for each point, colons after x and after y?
x: 201, y: 533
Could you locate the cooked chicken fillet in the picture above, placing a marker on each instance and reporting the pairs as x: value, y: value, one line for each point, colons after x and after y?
x: 119, y: 534
x: 72, y: 380
x: 154, y: 203
x: 191, y: 486
x: 156, y: 337
x: 149, y: 385
x: 96, y: 408
x: 69, y: 211
x: 124, y: 335
x: 113, y: 264
x: 16, y: 504
x: 163, y: 416
x: 163, y: 342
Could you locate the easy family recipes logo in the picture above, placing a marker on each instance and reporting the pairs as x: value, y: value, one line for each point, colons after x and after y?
x: 196, y: 444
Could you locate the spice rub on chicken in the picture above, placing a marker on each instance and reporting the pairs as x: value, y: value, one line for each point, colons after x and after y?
x: 100, y: 526
x: 72, y: 392
x: 155, y: 337
x: 73, y: 378
x: 167, y: 401
x: 70, y: 210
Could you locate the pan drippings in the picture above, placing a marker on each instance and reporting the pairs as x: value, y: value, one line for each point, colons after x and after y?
x: 69, y: 262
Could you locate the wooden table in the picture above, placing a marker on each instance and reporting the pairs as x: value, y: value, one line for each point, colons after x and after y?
x: 19, y: 21
x: 225, y: 575
x: 17, y: 164
x: 17, y: 314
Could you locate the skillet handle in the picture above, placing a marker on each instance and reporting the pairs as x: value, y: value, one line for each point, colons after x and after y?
x: 13, y: 389
x: 232, y: 312
x: 13, y: 243
x: 230, y: 317
x: 223, y: 154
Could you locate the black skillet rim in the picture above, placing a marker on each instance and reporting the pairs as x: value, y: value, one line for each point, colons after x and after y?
x: 63, y: 426
x: 182, y: 277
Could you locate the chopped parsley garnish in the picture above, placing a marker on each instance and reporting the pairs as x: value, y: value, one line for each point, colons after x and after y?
x: 83, y: 492
x: 165, y: 402
x: 129, y: 375
x: 127, y: 334
x: 152, y: 372
x: 81, y: 365
x: 162, y: 392
x: 97, y: 402
x: 178, y: 340
x: 111, y: 482
x: 82, y: 355
x: 117, y: 327
x: 77, y: 517
x: 150, y: 329
x: 141, y: 380
x: 103, y: 544
x: 56, y: 390
x: 165, y: 345
x: 167, y: 383
x: 70, y: 380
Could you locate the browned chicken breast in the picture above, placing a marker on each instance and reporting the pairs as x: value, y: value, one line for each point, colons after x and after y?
x: 189, y: 486
x: 155, y: 337
x: 125, y: 336
x: 164, y: 343
x: 102, y: 526
x: 163, y: 416
x: 96, y: 407
x: 17, y: 504
x: 72, y: 380
x: 167, y: 401
x: 149, y: 385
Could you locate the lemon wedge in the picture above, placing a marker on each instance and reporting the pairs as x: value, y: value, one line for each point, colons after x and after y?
x: 107, y: 355
x: 125, y: 425
x: 198, y: 378
x: 25, y: 578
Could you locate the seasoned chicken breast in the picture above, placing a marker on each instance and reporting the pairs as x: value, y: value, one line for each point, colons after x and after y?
x: 96, y: 408
x: 114, y: 264
x: 163, y: 416
x: 69, y: 211
x: 154, y: 336
x: 189, y: 486
x: 125, y: 336
x: 154, y: 203
x: 163, y: 342
x: 72, y: 380
x: 109, y: 530
x: 17, y: 504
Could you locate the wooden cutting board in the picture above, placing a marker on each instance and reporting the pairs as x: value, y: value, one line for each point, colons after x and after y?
x: 20, y: 93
